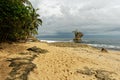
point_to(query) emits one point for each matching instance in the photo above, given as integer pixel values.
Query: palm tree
(31, 24)
(18, 20)
(26, 1)
(35, 22)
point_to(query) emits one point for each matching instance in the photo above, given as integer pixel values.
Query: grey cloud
(89, 16)
(115, 29)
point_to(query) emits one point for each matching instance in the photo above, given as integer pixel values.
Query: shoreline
(51, 41)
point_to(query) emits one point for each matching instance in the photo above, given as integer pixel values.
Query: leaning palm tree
(35, 22)
(32, 23)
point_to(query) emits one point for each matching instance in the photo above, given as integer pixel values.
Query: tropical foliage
(18, 20)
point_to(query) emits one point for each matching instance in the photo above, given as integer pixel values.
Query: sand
(66, 62)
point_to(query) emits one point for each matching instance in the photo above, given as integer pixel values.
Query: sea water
(109, 43)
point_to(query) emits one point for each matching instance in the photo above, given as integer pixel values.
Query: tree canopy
(18, 20)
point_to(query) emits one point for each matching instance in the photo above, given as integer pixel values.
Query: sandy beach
(63, 61)
(59, 40)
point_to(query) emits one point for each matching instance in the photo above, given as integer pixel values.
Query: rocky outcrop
(23, 65)
(104, 50)
(78, 36)
(99, 74)
(37, 50)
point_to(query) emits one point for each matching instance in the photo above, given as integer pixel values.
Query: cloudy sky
(93, 17)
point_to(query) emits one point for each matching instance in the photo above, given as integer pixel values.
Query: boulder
(77, 40)
(104, 50)
(37, 50)
(78, 36)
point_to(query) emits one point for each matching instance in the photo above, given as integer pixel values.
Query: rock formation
(23, 65)
(78, 36)
(104, 50)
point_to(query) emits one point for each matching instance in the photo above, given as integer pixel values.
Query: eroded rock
(23, 65)
(37, 50)
(104, 50)
(99, 74)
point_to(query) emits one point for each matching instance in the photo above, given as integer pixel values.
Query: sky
(92, 17)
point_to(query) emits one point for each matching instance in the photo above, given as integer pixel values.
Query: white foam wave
(51, 41)
(48, 41)
(105, 46)
(95, 45)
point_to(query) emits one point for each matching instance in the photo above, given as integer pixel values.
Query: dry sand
(64, 62)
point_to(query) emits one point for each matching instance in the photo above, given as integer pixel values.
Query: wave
(52, 41)
(48, 41)
(105, 46)
(91, 43)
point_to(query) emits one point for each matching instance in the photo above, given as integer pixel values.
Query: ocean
(108, 43)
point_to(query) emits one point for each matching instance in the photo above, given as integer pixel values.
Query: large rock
(104, 50)
(37, 50)
(77, 40)
(78, 36)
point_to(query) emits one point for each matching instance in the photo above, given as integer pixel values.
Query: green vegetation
(18, 20)
(78, 36)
